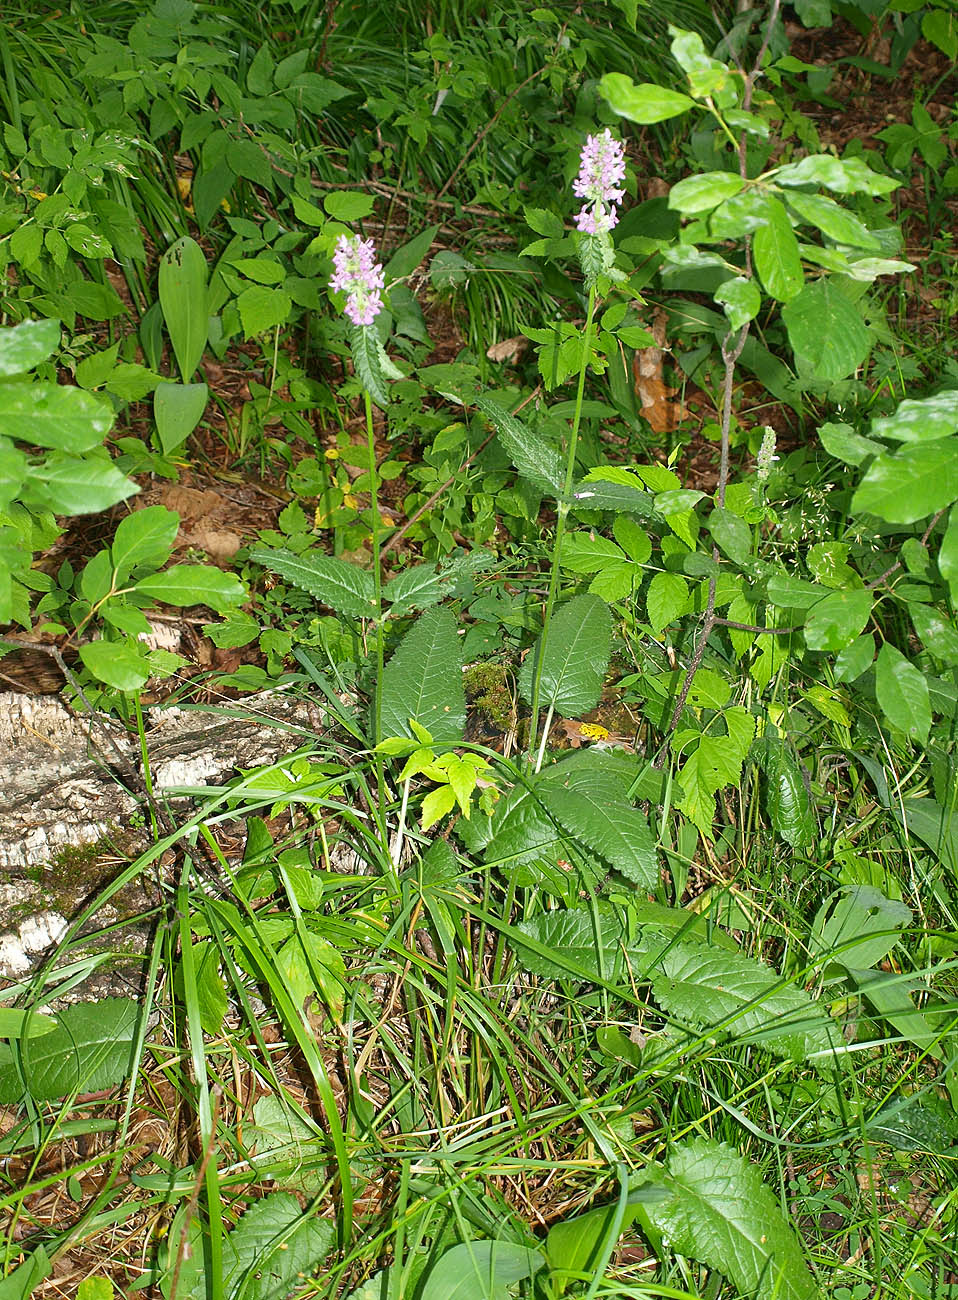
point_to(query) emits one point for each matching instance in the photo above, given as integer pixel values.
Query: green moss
(487, 688)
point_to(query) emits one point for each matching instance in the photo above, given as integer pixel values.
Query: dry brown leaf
(654, 394)
(507, 349)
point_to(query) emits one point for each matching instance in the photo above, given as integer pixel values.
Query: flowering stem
(563, 512)
(377, 569)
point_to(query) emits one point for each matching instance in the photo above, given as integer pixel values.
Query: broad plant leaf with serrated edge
(533, 458)
(368, 359)
(272, 1247)
(588, 803)
(704, 987)
(720, 1212)
(423, 680)
(415, 588)
(577, 651)
(343, 587)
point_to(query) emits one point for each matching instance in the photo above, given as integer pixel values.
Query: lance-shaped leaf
(533, 458)
(423, 680)
(705, 987)
(343, 587)
(578, 646)
(183, 301)
(368, 358)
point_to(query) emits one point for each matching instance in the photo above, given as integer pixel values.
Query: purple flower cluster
(601, 168)
(360, 276)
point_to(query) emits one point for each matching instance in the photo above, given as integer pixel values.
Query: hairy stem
(562, 514)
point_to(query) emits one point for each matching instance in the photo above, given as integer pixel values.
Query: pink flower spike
(357, 274)
(601, 169)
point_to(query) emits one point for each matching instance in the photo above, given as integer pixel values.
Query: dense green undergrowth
(603, 942)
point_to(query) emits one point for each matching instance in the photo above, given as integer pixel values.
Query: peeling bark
(62, 784)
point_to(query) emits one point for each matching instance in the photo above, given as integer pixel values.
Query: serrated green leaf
(720, 1212)
(715, 763)
(272, 1247)
(588, 552)
(703, 987)
(263, 308)
(578, 646)
(532, 457)
(587, 801)
(415, 588)
(910, 484)
(423, 680)
(575, 943)
(615, 582)
(367, 352)
(666, 599)
(343, 587)
(597, 494)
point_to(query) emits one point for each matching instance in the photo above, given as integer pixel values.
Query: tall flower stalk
(357, 274)
(601, 171)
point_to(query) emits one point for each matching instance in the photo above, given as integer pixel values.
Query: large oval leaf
(902, 692)
(826, 331)
(777, 257)
(913, 483)
(117, 663)
(480, 1270)
(195, 584)
(53, 415)
(646, 103)
(144, 537)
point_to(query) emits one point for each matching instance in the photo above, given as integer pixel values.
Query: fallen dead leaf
(662, 413)
(507, 349)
